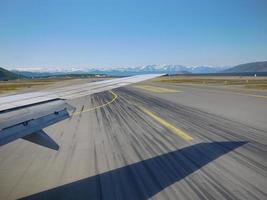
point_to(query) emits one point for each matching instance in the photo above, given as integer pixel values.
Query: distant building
(100, 75)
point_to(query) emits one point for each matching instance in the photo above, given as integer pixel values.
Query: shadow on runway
(143, 179)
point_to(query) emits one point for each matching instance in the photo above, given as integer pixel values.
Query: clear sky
(131, 33)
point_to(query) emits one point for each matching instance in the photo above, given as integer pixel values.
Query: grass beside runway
(156, 89)
(41, 83)
(258, 83)
(8, 86)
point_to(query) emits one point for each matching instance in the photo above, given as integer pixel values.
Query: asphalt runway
(146, 142)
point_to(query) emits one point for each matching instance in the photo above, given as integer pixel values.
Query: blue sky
(55, 33)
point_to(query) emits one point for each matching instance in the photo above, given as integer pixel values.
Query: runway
(142, 142)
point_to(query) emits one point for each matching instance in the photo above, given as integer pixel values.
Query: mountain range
(248, 67)
(7, 75)
(152, 69)
(127, 71)
(123, 71)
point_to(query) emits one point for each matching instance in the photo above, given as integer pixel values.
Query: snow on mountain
(168, 69)
(123, 71)
(47, 69)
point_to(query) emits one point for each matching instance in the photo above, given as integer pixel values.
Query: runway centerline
(169, 126)
(115, 96)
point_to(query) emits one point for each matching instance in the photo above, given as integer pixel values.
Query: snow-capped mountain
(119, 71)
(47, 71)
(147, 69)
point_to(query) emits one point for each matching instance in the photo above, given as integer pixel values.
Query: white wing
(25, 115)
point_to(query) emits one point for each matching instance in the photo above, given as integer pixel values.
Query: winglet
(41, 138)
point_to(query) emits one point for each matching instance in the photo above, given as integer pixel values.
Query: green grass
(246, 82)
(7, 86)
(257, 86)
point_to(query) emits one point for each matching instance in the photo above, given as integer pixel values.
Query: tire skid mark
(195, 120)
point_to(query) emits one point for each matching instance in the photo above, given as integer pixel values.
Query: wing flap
(41, 138)
(27, 113)
(34, 123)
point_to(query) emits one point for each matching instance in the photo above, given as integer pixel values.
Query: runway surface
(149, 141)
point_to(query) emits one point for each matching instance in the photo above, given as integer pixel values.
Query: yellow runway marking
(156, 89)
(115, 96)
(169, 126)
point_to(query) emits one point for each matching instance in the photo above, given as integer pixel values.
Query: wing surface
(25, 115)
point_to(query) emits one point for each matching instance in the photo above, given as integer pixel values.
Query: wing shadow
(143, 179)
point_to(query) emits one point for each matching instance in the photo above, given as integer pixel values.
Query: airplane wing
(25, 115)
